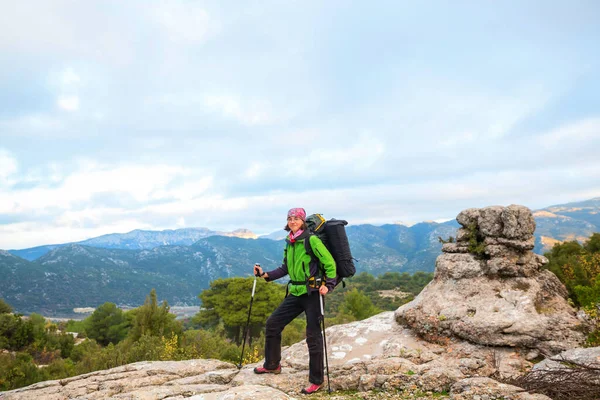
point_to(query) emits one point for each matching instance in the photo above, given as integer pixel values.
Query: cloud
(184, 21)
(225, 114)
(69, 77)
(64, 215)
(572, 135)
(250, 112)
(23, 234)
(254, 170)
(69, 29)
(142, 183)
(8, 167)
(68, 103)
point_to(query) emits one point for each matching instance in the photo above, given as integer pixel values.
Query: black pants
(290, 308)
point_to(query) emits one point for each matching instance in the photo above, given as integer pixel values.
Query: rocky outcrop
(373, 354)
(489, 288)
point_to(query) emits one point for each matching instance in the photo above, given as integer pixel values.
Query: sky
(117, 116)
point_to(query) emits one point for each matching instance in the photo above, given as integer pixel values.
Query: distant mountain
(33, 253)
(138, 240)
(75, 275)
(80, 276)
(122, 268)
(142, 239)
(379, 249)
(240, 233)
(571, 221)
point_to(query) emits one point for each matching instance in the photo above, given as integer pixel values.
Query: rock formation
(489, 288)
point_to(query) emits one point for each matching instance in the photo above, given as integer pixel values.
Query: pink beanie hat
(297, 212)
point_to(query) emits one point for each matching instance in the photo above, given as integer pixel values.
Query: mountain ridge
(79, 275)
(137, 239)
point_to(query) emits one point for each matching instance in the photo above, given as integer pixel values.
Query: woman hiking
(307, 283)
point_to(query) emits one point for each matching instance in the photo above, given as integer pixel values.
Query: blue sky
(117, 116)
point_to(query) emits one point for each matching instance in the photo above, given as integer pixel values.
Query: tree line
(33, 349)
(578, 268)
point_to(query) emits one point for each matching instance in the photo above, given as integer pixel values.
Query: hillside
(80, 276)
(83, 276)
(138, 240)
(122, 268)
(571, 221)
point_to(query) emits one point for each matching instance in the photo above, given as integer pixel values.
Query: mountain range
(179, 264)
(138, 240)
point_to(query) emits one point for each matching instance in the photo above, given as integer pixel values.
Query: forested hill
(76, 275)
(565, 222)
(83, 276)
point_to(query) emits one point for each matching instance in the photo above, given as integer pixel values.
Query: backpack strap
(311, 253)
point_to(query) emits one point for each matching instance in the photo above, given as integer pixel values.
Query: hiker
(306, 285)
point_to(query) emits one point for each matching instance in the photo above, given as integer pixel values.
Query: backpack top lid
(315, 223)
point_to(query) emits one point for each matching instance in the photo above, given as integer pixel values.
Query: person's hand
(258, 270)
(323, 290)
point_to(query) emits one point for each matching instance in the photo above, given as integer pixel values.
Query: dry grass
(571, 381)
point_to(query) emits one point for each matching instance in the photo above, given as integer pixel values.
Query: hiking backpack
(333, 235)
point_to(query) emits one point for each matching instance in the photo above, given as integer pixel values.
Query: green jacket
(298, 264)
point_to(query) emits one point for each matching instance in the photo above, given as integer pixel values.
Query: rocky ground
(371, 359)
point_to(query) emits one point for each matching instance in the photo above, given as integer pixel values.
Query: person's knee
(270, 325)
(314, 339)
(273, 327)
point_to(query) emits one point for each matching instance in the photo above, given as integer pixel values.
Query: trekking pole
(247, 322)
(325, 342)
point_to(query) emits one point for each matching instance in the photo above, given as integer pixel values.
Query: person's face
(294, 223)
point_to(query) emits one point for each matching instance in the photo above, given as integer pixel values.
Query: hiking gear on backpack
(333, 235)
(247, 322)
(262, 370)
(311, 389)
(325, 342)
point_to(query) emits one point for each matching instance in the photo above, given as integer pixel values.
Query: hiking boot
(311, 389)
(262, 370)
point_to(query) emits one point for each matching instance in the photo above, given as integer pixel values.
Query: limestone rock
(468, 217)
(499, 297)
(462, 235)
(376, 354)
(583, 357)
(526, 244)
(490, 221)
(142, 380)
(457, 266)
(455, 248)
(248, 392)
(518, 222)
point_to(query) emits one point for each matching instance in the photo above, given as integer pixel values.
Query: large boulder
(490, 289)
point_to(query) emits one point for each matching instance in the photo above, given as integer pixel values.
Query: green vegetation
(476, 244)
(226, 302)
(578, 267)
(111, 337)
